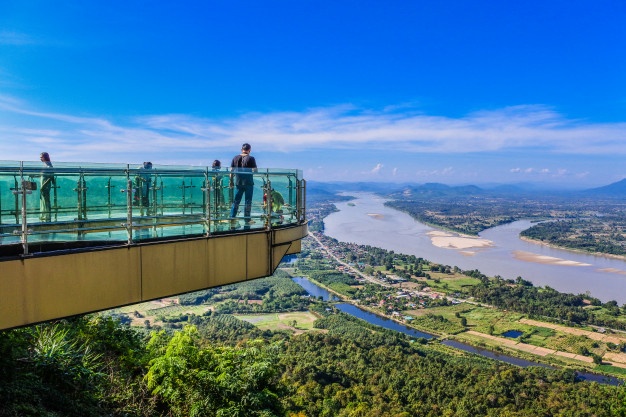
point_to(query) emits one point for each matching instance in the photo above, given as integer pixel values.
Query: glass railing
(73, 204)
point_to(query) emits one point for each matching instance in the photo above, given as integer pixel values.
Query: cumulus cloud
(377, 168)
(554, 173)
(525, 128)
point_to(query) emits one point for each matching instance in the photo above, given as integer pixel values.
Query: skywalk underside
(79, 280)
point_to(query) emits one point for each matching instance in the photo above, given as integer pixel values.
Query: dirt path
(525, 347)
(602, 337)
(615, 359)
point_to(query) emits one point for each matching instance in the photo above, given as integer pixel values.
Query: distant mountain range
(325, 189)
(615, 190)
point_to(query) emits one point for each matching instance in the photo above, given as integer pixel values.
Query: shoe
(250, 222)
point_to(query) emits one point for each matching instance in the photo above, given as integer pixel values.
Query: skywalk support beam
(41, 288)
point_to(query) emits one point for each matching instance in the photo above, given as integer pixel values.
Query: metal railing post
(109, 200)
(267, 190)
(290, 188)
(81, 190)
(301, 201)
(22, 190)
(208, 187)
(129, 206)
(154, 188)
(16, 211)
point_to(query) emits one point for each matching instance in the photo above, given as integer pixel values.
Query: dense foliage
(73, 368)
(601, 235)
(100, 367)
(329, 375)
(195, 378)
(469, 216)
(547, 303)
(267, 295)
(278, 285)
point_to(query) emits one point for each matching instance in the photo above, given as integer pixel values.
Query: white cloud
(552, 173)
(525, 128)
(446, 171)
(377, 168)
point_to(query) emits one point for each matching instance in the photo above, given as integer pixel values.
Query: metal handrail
(100, 203)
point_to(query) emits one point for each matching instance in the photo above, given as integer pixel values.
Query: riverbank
(584, 252)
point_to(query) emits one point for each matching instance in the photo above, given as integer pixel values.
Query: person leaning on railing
(47, 182)
(277, 204)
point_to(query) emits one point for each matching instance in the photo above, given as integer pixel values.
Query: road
(368, 278)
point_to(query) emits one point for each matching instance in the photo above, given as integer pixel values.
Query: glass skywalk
(105, 204)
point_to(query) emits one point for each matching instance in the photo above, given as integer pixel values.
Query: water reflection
(315, 290)
(513, 334)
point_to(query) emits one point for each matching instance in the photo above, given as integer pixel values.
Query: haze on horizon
(452, 92)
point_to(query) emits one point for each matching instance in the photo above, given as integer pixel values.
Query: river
(315, 290)
(367, 221)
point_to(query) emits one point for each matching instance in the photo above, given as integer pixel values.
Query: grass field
(303, 321)
(451, 282)
(492, 321)
(167, 307)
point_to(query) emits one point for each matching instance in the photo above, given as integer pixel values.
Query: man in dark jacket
(242, 166)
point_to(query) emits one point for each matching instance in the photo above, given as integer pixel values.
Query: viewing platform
(77, 238)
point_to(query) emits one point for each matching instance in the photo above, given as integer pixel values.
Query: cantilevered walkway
(79, 238)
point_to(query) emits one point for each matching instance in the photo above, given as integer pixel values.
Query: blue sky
(403, 91)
